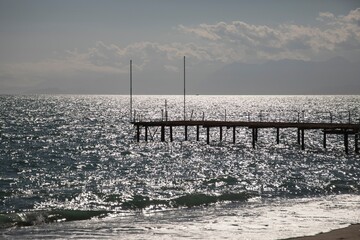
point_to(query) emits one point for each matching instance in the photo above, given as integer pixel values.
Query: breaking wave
(138, 202)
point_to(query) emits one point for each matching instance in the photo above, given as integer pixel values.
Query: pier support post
(302, 139)
(277, 136)
(256, 134)
(163, 133)
(357, 136)
(146, 133)
(197, 132)
(137, 133)
(234, 135)
(346, 142)
(186, 133)
(221, 134)
(253, 137)
(207, 135)
(171, 134)
(324, 142)
(298, 136)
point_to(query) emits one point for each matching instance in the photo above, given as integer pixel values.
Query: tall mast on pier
(184, 93)
(130, 90)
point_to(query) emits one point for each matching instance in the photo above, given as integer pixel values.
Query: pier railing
(261, 116)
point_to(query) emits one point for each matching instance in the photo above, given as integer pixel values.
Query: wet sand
(351, 232)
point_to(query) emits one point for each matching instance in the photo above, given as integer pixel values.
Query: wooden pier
(344, 129)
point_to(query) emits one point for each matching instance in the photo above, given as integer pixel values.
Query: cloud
(113, 58)
(201, 32)
(102, 61)
(286, 41)
(172, 68)
(325, 16)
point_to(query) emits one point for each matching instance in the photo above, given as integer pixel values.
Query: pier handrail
(263, 115)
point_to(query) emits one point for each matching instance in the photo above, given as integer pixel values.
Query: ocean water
(71, 168)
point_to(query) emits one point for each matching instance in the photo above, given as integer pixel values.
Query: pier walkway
(344, 129)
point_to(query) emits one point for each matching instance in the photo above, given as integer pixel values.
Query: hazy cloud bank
(249, 42)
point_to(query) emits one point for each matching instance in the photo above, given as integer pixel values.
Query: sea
(71, 168)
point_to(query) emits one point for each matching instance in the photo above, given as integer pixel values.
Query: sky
(231, 46)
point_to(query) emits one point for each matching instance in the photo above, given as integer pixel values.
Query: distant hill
(335, 76)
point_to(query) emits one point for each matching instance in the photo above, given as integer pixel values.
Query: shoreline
(351, 232)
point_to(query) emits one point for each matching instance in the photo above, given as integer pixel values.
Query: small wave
(189, 200)
(342, 186)
(229, 180)
(40, 217)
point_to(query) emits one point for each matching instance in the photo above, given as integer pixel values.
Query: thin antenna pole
(130, 89)
(184, 93)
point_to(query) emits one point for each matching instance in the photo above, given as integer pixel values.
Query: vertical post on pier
(234, 134)
(298, 136)
(146, 133)
(163, 133)
(253, 137)
(207, 135)
(277, 136)
(131, 90)
(197, 132)
(356, 143)
(186, 132)
(166, 112)
(138, 133)
(184, 93)
(302, 139)
(256, 134)
(171, 134)
(346, 142)
(324, 141)
(303, 115)
(298, 120)
(331, 117)
(221, 133)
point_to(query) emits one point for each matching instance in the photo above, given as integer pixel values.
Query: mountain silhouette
(335, 76)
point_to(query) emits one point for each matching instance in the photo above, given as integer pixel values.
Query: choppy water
(70, 167)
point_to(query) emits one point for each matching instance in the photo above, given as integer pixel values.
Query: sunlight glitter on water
(79, 153)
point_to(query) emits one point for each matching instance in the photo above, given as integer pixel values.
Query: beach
(351, 232)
